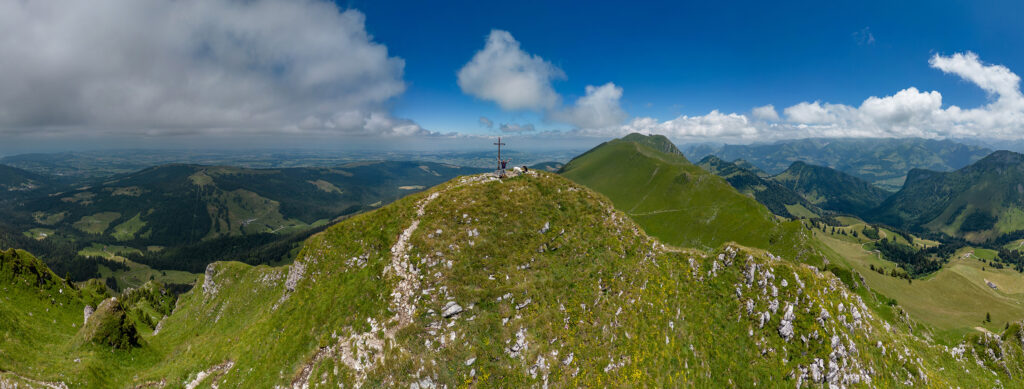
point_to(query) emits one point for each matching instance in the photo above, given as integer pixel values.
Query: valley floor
(954, 300)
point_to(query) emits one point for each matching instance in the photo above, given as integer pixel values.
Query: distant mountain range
(882, 162)
(977, 202)
(86, 165)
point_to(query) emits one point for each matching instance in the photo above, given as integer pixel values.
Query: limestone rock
(786, 326)
(451, 309)
(87, 312)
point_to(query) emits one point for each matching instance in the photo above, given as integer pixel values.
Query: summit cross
(499, 144)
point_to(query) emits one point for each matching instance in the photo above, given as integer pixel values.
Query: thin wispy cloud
(864, 37)
(517, 128)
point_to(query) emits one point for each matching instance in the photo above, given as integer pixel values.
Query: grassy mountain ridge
(978, 202)
(831, 189)
(778, 198)
(658, 142)
(881, 161)
(679, 202)
(528, 281)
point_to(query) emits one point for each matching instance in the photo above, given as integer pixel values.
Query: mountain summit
(657, 142)
(673, 199)
(527, 281)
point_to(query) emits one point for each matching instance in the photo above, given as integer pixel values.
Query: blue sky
(314, 72)
(675, 58)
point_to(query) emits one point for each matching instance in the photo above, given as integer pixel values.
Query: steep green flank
(831, 189)
(978, 202)
(525, 282)
(677, 201)
(45, 338)
(779, 199)
(40, 314)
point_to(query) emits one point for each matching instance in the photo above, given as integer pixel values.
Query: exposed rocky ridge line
(363, 351)
(407, 273)
(214, 373)
(7, 383)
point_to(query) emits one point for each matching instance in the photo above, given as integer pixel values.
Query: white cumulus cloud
(598, 109)
(713, 125)
(505, 74)
(189, 66)
(765, 112)
(997, 80)
(502, 72)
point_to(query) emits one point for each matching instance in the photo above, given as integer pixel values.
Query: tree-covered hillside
(831, 189)
(15, 183)
(779, 199)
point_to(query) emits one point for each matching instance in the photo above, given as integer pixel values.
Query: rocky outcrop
(110, 326)
(451, 309)
(87, 312)
(213, 373)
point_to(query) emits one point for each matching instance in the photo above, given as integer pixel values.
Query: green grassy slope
(46, 339)
(978, 202)
(678, 202)
(831, 189)
(528, 281)
(779, 199)
(954, 300)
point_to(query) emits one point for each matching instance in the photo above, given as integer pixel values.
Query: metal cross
(499, 144)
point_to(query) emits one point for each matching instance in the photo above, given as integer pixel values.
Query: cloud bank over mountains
(298, 67)
(194, 67)
(907, 113)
